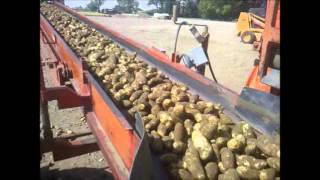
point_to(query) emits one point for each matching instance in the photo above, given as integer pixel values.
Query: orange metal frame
(115, 136)
(270, 37)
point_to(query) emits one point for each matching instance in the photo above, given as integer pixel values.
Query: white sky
(143, 4)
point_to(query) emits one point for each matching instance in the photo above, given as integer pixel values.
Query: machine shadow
(75, 174)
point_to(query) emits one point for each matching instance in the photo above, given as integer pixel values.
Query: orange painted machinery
(265, 75)
(121, 139)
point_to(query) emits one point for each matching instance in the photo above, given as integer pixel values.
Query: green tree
(128, 6)
(95, 5)
(219, 9)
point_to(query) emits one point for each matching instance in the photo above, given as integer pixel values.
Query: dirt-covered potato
(227, 158)
(211, 170)
(168, 158)
(193, 163)
(152, 124)
(230, 174)
(184, 174)
(236, 144)
(156, 109)
(251, 162)
(267, 174)
(156, 143)
(247, 173)
(167, 142)
(216, 151)
(188, 124)
(209, 127)
(274, 163)
(224, 119)
(202, 145)
(166, 103)
(179, 144)
(268, 146)
(221, 142)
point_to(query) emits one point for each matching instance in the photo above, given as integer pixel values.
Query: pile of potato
(193, 137)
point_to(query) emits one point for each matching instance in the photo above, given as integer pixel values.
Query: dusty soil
(232, 60)
(88, 166)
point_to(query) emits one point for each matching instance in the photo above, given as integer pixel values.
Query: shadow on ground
(75, 174)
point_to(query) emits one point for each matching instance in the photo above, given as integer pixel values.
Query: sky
(143, 4)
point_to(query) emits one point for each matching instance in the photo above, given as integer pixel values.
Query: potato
(224, 119)
(135, 95)
(179, 132)
(182, 97)
(166, 103)
(193, 163)
(126, 103)
(156, 109)
(251, 148)
(247, 173)
(274, 163)
(140, 77)
(251, 162)
(230, 174)
(211, 170)
(202, 145)
(179, 144)
(168, 158)
(193, 98)
(235, 145)
(152, 124)
(223, 131)
(163, 96)
(164, 116)
(237, 129)
(154, 81)
(191, 109)
(221, 142)
(188, 124)
(179, 147)
(248, 131)
(267, 174)
(184, 174)
(146, 88)
(227, 158)
(209, 127)
(162, 129)
(167, 142)
(156, 144)
(268, 146)
(196, 127)
(216, 153)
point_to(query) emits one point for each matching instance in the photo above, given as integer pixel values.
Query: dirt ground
(232, 60)
(91, 166)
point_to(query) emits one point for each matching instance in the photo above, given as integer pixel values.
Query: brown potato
(202, 145)
(247, 173)
(230, 174)
(251, 162)
(268, 146)
(227, 158)
(211, 170)
(193, 163)
(267, 174)
(274, 163)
